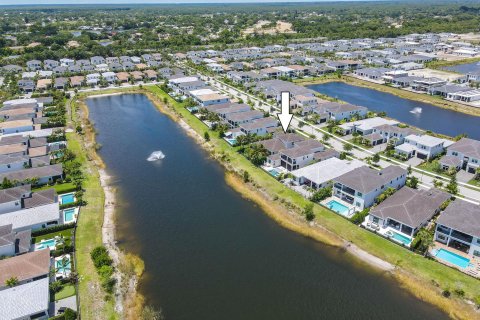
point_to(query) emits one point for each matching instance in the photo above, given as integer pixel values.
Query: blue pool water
(68, 198)
(231, 141)
(274, 173)
(63, 269)
(403, 239)
(337, 207)
(68, 215)
(452, 258)
(50, 243)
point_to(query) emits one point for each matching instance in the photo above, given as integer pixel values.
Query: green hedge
(56, 228)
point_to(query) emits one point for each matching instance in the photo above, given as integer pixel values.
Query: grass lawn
(474, 182)
(89, 236)
(428, 270)
(59, 188)
(67, 234)
(68, 290)
(430, 167)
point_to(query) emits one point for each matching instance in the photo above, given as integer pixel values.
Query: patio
(386, 232)
(351, 208)
(473, 269)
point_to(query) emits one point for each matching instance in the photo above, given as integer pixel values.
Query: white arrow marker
(285, 117)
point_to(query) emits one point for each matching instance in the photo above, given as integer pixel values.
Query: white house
(110, 77)
(363, 185)
(422, 146)
(93, 79)
(467, 153)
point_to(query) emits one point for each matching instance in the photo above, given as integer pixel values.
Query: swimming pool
(50, 243)
(452, 258)
(232, 142)
(274, 173)
(67, 198)
(337, 207)
(69, 215)
(61, 268)
(401, 238)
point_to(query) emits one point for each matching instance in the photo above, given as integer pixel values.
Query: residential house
(463, 154)
(14, 243)
(34, 65)
(302, 154)
(40, 175)
(321, 174)
(406, 212)
(238, 118)
(93, 79)
(339, 111)
(458, 227)
(16, 126)
(97, 60)
(30, 298)
(259, 127)
(363, 185)
(77, 81)
(422, 146)
(50, 64)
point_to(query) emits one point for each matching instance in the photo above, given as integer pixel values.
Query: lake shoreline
(294, 222)
(128, 301)
(419, 97)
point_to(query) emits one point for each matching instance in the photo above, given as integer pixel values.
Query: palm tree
(61, 241)
(64, 263)
(11, 282)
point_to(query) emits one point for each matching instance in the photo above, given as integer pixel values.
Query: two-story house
(463, 154)
(363, 185)
(459, 227)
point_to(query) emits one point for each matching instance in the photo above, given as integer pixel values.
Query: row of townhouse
(25, 161)
(49, 64)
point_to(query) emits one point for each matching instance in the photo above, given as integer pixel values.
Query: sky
(38, 2)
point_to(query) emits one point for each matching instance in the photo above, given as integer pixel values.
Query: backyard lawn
(67, 290)
(67, 234)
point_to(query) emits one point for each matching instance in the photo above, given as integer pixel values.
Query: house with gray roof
(458, 227)
(363, 185)
(463, 154)
(302, 154)
(343, 111)
(42, 175)
(14, 243)
(407, 211)
(30, 298)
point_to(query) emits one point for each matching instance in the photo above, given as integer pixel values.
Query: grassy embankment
(95, 303)
(426, 98)
(423, 277)
(444, 63)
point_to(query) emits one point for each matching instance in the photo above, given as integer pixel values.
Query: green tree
(347, 147)
(206, 136)
(452, 185)
(376, 158)
(412, 182)
(308, 212)
(321, 194)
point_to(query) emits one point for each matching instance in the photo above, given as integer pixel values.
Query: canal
(435, 119)
(209, 253)
(464, 68)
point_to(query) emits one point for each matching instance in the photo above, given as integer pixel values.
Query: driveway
(414, 161)
(70, 302)
(464, 176)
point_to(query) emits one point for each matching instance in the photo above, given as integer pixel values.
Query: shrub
(308, 212)
(100, 257)
(360, 216)
(446, 293)
(42, 232)
(321, 194)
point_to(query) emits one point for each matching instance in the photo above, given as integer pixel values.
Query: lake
(464, 68)
(209, 253)
(436, 119)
